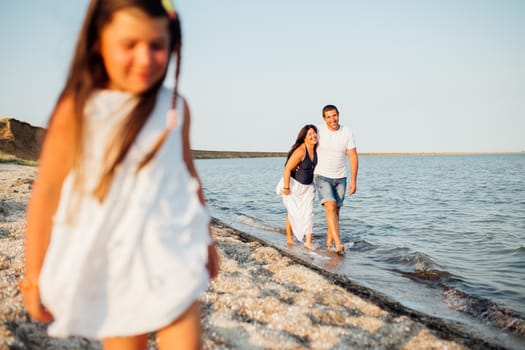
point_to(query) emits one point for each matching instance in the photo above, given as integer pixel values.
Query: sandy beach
(264, 298)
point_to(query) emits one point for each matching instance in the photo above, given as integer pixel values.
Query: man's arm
(354, 167)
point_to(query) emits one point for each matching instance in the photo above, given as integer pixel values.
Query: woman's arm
(294, 160)
(55, 162)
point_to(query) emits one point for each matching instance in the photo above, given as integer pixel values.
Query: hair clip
(170, 8)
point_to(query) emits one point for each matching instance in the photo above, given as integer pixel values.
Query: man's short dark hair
(330, 108)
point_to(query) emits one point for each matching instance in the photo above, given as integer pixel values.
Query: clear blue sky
(407, 75)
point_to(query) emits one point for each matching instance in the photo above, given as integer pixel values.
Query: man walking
(335, 143)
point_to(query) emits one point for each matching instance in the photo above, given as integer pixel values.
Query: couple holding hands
(317, 162)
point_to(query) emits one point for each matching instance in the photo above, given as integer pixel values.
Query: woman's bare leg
(308, 243)
(289, 233)
(184, 332)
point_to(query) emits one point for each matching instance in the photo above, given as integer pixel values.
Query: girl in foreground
(297, 186)
(118, 242)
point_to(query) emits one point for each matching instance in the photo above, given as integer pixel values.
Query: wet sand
(264, 298)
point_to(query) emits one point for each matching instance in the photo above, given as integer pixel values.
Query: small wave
(257, 223)
(485, 310)
(349, 245)
(519, 250)
(421, 268)
(363, 245)
(415, 261)
(415, 265)
(428, 275)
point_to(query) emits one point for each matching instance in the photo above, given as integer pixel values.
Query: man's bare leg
(332, 223)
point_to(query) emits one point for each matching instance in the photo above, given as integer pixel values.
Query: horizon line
(204, 153)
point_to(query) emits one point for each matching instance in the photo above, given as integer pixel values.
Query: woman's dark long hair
(87, 73)
(300, 139)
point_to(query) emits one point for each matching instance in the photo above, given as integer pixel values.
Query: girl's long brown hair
(87, 73)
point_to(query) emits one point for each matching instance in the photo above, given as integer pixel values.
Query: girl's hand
(34, 306)
(286, 191)
(213, 260)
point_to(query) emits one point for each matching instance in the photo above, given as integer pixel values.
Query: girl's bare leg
(138, 342)
(184, 332)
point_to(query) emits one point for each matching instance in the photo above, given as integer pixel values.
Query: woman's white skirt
(300, 206)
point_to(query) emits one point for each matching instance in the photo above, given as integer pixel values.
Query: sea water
(444, 235)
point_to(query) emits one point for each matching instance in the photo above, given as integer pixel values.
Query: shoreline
(264, 297)
(206, 154)
(450, 330)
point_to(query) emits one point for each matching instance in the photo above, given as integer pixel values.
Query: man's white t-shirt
(332, 150)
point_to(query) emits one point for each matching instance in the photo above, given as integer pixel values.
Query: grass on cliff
(9, 158)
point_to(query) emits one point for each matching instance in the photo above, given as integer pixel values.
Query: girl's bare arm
(55, 162)
(213, 257)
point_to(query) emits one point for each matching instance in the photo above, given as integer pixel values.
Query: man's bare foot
(290, 243)
(329, 239)
(340, 250)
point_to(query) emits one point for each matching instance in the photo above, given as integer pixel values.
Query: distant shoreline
(203, 154)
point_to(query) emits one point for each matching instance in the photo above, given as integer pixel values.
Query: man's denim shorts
(330, 190)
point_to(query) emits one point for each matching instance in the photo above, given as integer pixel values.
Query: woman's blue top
(304, 173)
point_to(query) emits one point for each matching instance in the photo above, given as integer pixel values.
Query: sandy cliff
(20, 140)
